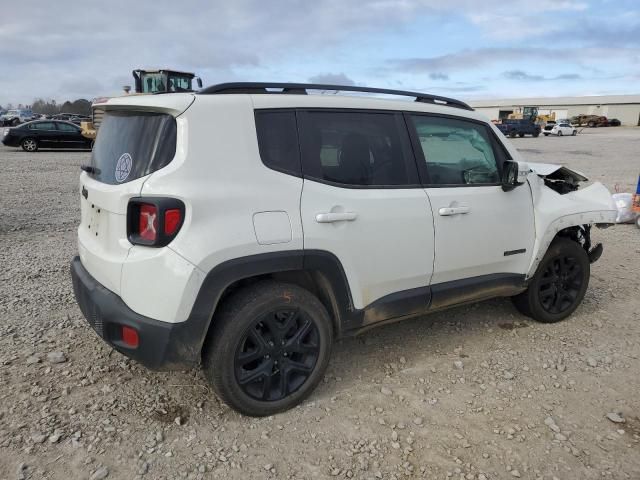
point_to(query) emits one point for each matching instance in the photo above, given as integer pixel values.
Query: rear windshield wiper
(90, 169)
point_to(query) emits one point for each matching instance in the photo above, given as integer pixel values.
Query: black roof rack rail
(302, 88)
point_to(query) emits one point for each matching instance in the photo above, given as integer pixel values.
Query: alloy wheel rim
(277, 354)
(560, 284)
(30, 145)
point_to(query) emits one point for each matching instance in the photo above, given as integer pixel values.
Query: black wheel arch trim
(348, 319)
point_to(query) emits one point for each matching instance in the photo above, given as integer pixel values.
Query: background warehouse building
(625, 108)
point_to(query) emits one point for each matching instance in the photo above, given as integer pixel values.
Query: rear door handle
(336, 217)
(447, 211)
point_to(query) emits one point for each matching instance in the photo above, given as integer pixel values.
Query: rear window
(131, 145)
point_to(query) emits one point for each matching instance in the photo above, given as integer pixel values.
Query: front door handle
(447, 211)
(336, 217)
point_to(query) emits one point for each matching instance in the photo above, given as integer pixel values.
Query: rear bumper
(162, 345)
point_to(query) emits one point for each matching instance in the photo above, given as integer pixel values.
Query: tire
(638, 221)
(559, 133)
(550, 297)
(512, 134)
(591, 124)
(521, 135)
(29, 144)
(256, 323)
(546, 134)
(574, 133)
(536, 134)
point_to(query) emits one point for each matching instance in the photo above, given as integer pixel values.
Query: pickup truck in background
(520, 127)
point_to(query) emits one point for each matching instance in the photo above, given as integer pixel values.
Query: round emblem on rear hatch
(123, 167)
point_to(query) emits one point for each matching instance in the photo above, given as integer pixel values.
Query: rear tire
(29, 145)
(268, 348)
(559, 285)
(521, 135)
(536, 134)
(574, 133)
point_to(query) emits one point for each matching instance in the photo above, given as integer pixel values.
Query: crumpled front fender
(554, 212)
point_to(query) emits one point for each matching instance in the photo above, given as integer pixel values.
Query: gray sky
(67, 49)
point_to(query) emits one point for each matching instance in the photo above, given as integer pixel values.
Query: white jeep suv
(248, 225)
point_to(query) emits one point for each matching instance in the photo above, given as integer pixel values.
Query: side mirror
(199, 82)
(511, 175)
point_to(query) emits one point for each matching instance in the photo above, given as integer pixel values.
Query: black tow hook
(595, 253)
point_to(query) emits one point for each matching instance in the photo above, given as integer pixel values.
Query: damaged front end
(563, 209)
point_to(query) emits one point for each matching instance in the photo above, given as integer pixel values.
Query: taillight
(148, 222)
(153, 221)
(172, 220)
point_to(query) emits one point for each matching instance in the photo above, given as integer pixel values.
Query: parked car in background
(16, 117)
(589, 121)
(519, 126)
(79, 118)
(614, 122)
(46, 134)
(559, 129)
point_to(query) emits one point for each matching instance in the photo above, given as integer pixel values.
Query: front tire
(268, 348)
(559, 285)
(559, 133)
(29, 145)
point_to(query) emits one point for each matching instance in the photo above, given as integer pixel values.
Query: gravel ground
(477, 392)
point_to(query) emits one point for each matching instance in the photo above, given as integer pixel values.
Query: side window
(356, 149)
(278, 140)
(65, 127)
(456, 152)
(43, 126)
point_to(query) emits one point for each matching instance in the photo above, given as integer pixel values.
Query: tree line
(51, 107)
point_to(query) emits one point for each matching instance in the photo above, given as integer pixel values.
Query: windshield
(153, 82)
(131, 145)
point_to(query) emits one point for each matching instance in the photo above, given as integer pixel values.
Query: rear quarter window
(131, 145)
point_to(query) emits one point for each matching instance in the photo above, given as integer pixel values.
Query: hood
(556, 172)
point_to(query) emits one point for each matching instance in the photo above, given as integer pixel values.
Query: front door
(69, 136)
(483, 235)
(362, 201)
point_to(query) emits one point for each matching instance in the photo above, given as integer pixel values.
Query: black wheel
(591, 124)
(29, 145)
(268, 348)
(559, 284)
(574, 133)
(521, 134)
(559, 133)
(512, 134)
(546, 134)
(536, 134)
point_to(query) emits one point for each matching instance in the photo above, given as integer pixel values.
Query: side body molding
(326, 272)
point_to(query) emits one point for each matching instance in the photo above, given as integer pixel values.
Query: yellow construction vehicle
(531, 113)
(146, 82)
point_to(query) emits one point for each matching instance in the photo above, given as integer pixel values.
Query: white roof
(586, 100)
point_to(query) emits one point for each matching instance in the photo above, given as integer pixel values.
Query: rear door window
(357, 149)
(131, 145)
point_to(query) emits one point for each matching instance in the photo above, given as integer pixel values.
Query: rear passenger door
(483, 235)
(46, 134)
(362, 201)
